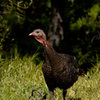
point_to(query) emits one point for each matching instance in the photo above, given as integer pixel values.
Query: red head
(39, 35)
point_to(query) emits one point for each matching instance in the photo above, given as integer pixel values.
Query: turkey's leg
(64, 94)
(51, 95)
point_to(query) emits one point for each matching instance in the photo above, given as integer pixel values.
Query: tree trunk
(57, 24)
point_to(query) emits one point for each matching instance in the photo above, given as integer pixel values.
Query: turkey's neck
(50, 54)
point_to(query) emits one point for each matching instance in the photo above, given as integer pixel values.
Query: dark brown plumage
(60, 70)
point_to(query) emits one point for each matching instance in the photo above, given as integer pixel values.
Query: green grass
(18, 76)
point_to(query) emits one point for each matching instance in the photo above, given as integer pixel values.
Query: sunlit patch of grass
(20, 75)
(88, 87)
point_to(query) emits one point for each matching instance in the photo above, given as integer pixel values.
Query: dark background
(78, 25)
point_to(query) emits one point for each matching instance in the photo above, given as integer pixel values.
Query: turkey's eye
(37, 32)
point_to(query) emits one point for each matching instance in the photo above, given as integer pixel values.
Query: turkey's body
(60, 70)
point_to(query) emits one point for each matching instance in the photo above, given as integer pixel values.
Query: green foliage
(18, 19)
(81, 21)
(8, 20)
(91, 20)
(21, 4)
(84, 30)
(19, 76)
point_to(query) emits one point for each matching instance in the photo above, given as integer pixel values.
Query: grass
(88, 87)
(18, 76)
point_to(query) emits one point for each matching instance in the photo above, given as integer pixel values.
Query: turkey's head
(39, 35)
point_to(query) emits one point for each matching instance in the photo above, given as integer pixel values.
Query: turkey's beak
(32, 34)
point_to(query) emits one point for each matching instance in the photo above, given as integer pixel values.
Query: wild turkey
(60, 70)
